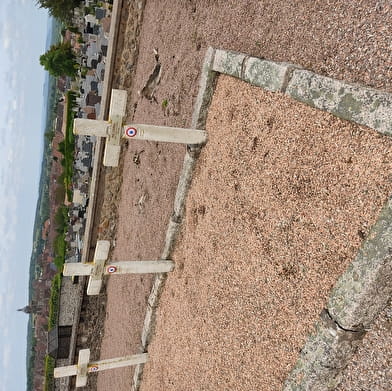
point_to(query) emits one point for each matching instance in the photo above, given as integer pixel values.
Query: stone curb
(183, 186)
(206, 90)
(354, 303)
(364, 289)
(270, 75)
(324, 355)
(199, 117)
(365, 106)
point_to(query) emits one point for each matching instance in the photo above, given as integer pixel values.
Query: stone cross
(114, 130)
(98, 268)
(84, 366)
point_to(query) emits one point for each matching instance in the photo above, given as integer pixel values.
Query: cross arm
(125, 267)
(78, 269)
(118, 362)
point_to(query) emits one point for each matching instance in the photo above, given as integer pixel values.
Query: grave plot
(274, 216)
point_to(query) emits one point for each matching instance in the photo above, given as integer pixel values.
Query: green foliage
(84, 71)
(61, 218)
(49, 373)
(54, 301)
(67, 148)
(88, 10)
(165, 102)
(60, 60)
(69, 144)
(49, 136)
(60, 9)
(73, 29)
(60, 245)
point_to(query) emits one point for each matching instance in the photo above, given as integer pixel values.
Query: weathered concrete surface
(206, 90)
(324, 355)
(270, 75)
(183, 186)
(364, 289)
(359, 104)
(229, 63)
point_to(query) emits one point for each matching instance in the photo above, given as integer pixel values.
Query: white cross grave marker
(98, 268)
(114, 129)
(84, 366)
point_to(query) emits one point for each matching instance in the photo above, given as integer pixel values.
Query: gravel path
(344, 40)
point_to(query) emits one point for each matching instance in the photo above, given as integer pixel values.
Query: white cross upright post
(98, 268)
(84, 366)
(114, 130)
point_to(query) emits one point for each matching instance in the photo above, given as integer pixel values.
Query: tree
(60, 60)
(60, 9)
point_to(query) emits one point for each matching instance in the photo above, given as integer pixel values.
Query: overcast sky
(23, 30)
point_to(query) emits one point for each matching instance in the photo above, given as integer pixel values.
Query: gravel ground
(282, 197)
(344, 40)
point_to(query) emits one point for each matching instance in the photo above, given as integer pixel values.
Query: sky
(23, 29)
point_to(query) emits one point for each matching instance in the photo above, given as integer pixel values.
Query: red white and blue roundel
(93, 368)
(131, 132)
(111, 269)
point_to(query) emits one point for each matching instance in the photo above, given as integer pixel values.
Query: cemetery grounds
(226, 320)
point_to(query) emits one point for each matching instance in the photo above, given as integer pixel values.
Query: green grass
(49, 369)
(67, 146)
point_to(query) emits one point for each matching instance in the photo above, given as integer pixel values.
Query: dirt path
(335, 38)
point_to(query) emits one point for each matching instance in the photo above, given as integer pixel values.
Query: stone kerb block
(206, 90)
(362, 105)
(364, 289)
(325, 354)
(270, 75)
(183, 186)
(228, 62)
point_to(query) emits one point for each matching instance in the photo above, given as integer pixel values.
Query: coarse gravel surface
(281, 200)
(344, 40)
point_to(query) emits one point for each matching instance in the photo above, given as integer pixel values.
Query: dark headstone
(100, 13)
